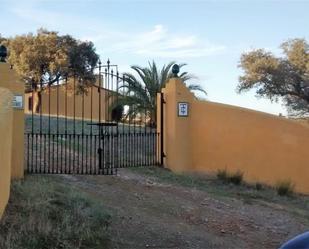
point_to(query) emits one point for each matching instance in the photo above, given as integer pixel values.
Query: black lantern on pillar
(175, 70)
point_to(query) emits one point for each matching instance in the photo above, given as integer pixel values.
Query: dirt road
(149, 213)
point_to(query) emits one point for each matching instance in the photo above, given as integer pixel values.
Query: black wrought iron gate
(74, 127)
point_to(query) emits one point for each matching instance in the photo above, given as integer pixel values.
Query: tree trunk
(37, 99)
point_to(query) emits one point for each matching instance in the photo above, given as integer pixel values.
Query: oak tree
(274, 77)
(45, 58)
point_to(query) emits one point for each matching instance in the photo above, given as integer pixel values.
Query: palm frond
(196, 87)
(165, 73)
(139, 92)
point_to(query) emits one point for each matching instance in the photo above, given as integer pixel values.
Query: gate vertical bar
(100, 129)
(57, 136)
(40, 101)
(49, 136)
(66, 124)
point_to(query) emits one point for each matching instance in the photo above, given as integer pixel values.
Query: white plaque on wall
(18, 102)
(183, 109)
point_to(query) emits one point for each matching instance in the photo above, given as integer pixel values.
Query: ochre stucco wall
(6, 118)
(10, 80)
(265, 147)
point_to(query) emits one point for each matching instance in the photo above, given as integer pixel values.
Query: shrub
(236, 178)
(285, 187)
(222, 174)
(258, 186)
(117, 113)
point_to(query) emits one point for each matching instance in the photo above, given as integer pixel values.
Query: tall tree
(285, 77)
(46, 58)
(140, 92)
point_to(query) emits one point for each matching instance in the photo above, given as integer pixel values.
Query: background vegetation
(274, 77)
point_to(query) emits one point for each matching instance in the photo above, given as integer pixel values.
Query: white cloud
(157, 42)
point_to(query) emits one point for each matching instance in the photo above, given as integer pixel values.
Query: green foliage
(141, 92)
(285, 188)
(274, 77)
(45, 213)
(46, 57)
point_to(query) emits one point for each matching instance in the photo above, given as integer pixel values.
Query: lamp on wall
(3, 53)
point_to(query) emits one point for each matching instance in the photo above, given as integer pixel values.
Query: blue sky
(208, 35)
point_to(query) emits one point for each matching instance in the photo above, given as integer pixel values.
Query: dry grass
(43, 213)
(233, 177)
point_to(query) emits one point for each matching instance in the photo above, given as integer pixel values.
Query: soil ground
(153, 208)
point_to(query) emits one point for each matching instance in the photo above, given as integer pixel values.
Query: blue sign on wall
(183, 109)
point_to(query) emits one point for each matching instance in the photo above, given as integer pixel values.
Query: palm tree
(140, 93)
